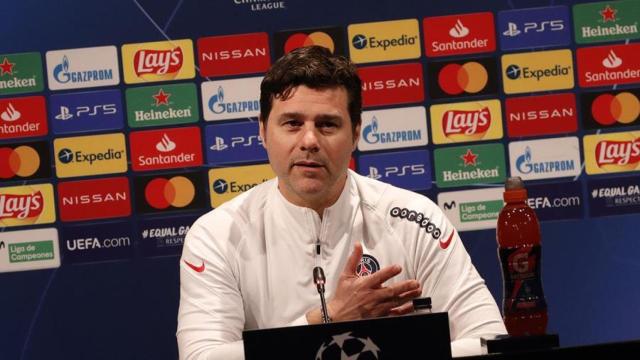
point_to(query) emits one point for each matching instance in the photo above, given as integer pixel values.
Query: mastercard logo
(299, 40)
(162, 193)
(623, 108)
(470, 77)
(22, 161)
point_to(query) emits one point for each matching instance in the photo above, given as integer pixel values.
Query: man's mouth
(306, 163)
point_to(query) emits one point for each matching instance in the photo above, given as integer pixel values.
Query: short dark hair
(317, 68)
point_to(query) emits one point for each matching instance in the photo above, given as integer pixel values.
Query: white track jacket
(248, 264)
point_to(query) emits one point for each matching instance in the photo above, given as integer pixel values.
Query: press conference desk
(608, 351)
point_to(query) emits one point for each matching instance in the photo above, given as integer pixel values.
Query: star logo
(608, 14)
(6, 67)
(469, 158)
(162, 98)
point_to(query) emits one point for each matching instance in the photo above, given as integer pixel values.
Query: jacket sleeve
(448, 276)
(211, 314)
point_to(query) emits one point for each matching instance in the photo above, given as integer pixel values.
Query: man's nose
(309, 141)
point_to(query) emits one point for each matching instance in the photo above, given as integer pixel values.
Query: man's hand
(366, 297)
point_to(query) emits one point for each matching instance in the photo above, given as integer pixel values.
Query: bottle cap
(514, 190)
(422, 303)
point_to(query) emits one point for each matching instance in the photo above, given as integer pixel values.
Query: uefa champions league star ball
(348, 346)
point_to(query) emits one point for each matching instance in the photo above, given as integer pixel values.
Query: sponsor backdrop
(121, 124)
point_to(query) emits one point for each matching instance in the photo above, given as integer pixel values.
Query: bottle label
(522, 281)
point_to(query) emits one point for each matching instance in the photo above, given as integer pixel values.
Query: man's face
(309, 141)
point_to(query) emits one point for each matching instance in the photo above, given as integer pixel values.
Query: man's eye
(292, 123)
(327, 124)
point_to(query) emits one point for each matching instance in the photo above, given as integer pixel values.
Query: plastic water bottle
(518, 234)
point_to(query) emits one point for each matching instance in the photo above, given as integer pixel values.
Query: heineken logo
(467, 165)
(20, 73)
(162, 105)
(598, 22)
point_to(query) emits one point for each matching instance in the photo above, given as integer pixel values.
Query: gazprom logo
(523, 163)
(62, 75)
(61, 71)
(526, 165)
(370, 132)
(218, 106)
(216, 102)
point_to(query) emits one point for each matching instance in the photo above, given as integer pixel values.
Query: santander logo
(21, 206)
(620, 153)
(158, 62)
(468, 123)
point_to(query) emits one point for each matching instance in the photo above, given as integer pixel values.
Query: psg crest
(367, 266)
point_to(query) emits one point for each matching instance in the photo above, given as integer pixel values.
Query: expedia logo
(221, 186)
(227, 183)
(362, 42)
(515, 72)
(383, 41)
(67, 156)
(90, 155)
(537, 71)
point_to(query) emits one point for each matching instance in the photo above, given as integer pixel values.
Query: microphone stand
(319, 279)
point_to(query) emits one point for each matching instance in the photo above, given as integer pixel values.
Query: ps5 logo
(102, 109)
(397, 171)
(236, 141)
(538, 27)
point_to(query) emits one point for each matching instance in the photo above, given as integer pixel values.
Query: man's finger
(379, 277)
(354, 259)
(403, 309)
(405, 286)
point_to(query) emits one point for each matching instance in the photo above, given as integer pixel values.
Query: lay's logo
(158, 61)
(26, 205)
(469, 121)
(625, 154)
(613, 152)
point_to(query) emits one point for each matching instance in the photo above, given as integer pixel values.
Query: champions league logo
(348, 346)
(367, 266)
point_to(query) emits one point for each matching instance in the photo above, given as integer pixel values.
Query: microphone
(319, 280)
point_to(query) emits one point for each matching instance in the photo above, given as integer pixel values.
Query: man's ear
(263, 131)
(356, 137)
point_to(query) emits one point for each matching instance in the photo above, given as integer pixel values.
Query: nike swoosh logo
(445, 244)
(197, 269)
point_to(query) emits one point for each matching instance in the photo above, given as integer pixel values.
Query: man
(248, 263)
